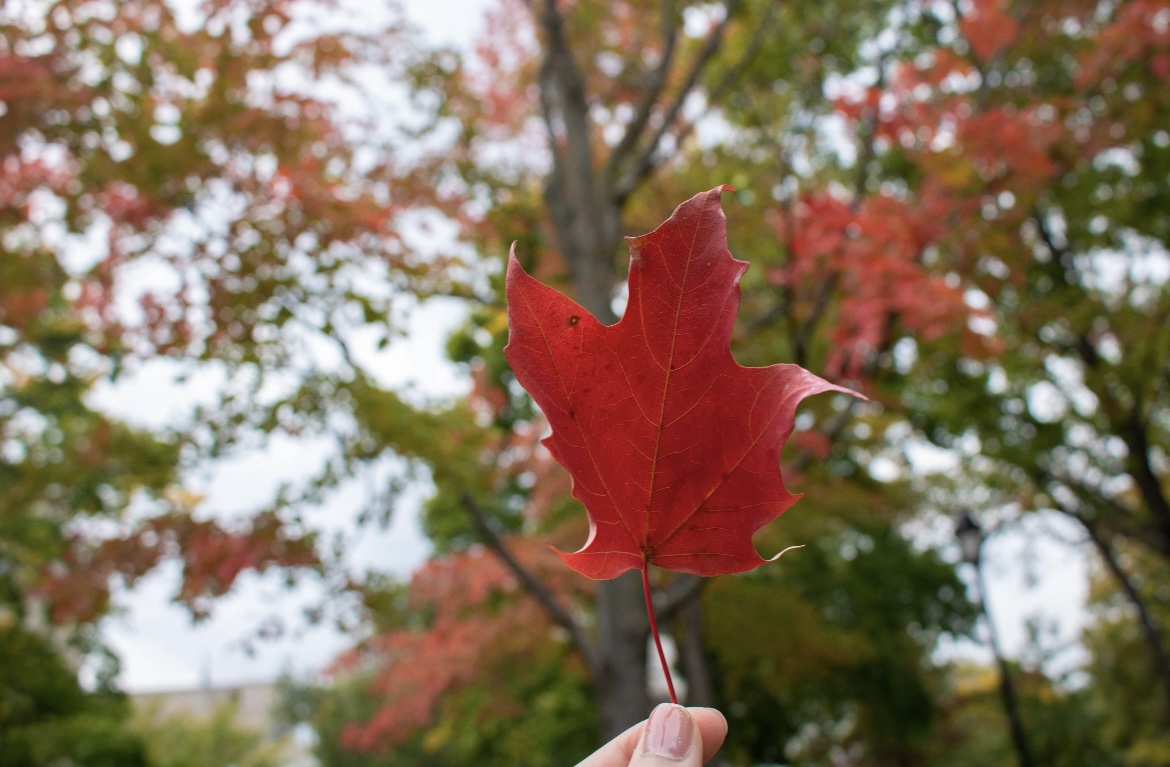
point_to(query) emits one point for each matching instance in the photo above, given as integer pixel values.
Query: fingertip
(712, 729)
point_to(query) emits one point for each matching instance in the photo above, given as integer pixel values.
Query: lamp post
(971, 538)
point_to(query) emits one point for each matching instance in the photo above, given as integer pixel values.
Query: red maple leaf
(674, 448)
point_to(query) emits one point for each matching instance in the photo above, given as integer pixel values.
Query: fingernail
(669, 732)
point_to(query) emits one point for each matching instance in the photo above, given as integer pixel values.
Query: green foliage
(329, 710)
(46, 719)
(1064, 726)
(214, 741)
(832, 645)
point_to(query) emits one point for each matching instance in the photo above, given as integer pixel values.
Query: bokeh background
(269, 493)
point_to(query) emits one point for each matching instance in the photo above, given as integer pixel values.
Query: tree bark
(622, 630)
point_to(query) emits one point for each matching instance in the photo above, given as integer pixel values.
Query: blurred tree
(1037, 130)
(988, 259)
(165, 196)
(1124, 683)
(931, 197)
(617, 94)
(214, 741)
(464, 668)
(827, 655)
(1065, 724)
(46, 718)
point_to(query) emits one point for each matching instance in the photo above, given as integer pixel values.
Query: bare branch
(559, 614)
(654, 88)
(640, 169)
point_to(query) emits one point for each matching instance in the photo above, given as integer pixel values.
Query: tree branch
(1122, 520)
(546, 88)
(1062, 253)
(1151, 631)
(657, 83)
(759, 36)
(1149, 486)
(538, 590)
(560, 74)
(640, 169)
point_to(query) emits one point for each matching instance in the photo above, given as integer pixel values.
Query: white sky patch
(1037, 575)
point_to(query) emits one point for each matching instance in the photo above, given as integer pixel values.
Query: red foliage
(213, 557)
(673, 447)
(1138, 35)
(505, 54)
(463, 640)
(872, 253)
(988, 28)
(76, 587)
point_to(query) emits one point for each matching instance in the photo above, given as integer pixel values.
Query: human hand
(673, 737)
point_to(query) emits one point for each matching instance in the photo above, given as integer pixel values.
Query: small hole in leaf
(574, 320)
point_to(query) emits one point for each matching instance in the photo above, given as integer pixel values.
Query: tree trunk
(588, 228)
(588, 234)
(622, 629)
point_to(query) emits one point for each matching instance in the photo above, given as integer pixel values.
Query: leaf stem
(654, 631)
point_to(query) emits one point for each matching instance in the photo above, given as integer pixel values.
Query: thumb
(671, 738)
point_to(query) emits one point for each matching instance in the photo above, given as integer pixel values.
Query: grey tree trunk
(588, 234)
(622, 628)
